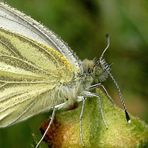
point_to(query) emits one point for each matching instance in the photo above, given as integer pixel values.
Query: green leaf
(65, 132)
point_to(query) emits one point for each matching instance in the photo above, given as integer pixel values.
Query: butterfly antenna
(107, 46)
(99, 59)
(121, 97)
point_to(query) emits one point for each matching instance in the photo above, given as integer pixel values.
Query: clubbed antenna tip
(127, 117)
(107, 35)
(121, 98)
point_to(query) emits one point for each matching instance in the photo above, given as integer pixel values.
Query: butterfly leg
(101, 110)
(89, 94)
(102, 86)
(81, 117)
(51, 120)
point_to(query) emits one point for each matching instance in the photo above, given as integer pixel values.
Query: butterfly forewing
(17, 22)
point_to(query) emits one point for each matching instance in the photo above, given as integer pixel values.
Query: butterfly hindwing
(29, 75)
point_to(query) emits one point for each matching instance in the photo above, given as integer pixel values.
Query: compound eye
(90, 70)
(66, 99)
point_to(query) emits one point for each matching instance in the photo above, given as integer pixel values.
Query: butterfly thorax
(93, 73)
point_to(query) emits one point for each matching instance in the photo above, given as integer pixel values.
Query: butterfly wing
(21, 101)
(29, 74)
(18, 22)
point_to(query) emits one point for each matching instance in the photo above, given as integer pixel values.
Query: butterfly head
(97, 69)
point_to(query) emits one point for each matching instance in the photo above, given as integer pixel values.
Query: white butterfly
(39, 72)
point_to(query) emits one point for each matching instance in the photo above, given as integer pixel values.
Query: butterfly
(39, 72)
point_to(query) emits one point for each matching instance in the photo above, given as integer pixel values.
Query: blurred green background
(83, 25)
